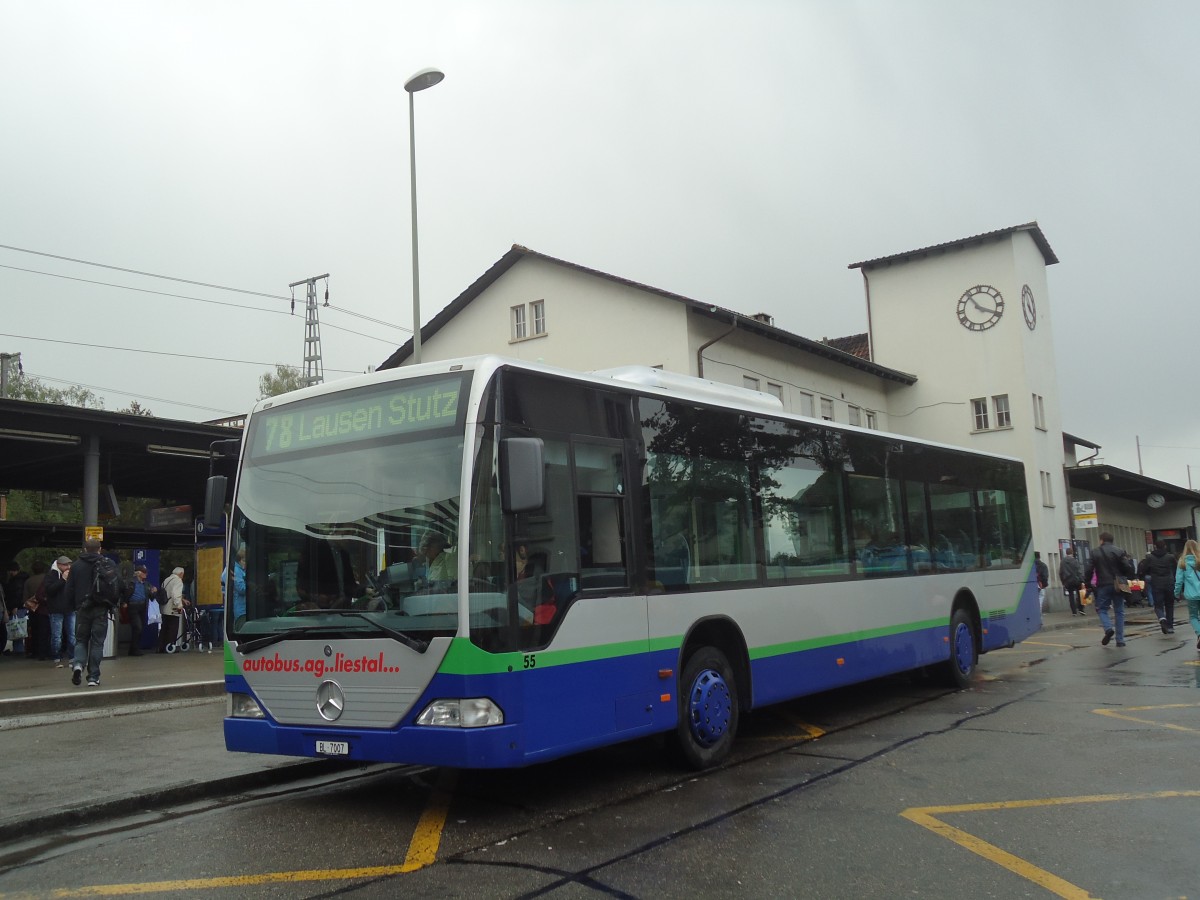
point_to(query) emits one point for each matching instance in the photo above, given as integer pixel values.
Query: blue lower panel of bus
(577, 707)
(563, 709)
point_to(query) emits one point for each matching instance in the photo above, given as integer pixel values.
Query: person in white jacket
(172, 608)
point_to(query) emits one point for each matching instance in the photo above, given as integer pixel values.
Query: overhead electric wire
(219, 287)
(145, 290)
(247, 362)
(94, 387)
(262, 309)
(84, 262)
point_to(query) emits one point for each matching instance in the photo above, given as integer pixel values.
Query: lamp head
(426, 78)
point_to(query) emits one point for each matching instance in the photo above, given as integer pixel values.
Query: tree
(136, 409)
(285, 378)
(26, 387)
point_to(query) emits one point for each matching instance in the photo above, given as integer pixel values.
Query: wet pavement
(151, 734)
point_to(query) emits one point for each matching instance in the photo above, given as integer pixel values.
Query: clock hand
(979, 306)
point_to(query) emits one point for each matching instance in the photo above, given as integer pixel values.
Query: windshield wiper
(268, 639)
(410, 642)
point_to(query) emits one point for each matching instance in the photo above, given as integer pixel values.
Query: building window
(1003, 413)
(854, 415)
(979, 409)
(750, 383)
(806, 404)
(526, 314)
(1039, 412)
(826, 409)
(872, 423)
(775, 390)
(1047, 490)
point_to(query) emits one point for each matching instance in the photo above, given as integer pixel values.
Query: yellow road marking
(926, 817)
(422, 851)
(1114, 714)
(811, 732)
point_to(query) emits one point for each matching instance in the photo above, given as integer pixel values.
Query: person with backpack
(1043, 579)
(1070, 575)
(95, 586)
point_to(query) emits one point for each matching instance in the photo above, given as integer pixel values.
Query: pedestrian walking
(1112, 568)
(1043, 579)
(1159, 569)
(1187, 584)
(95, 586)
(1070, 576)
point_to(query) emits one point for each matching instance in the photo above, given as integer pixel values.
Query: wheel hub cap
(709, 708)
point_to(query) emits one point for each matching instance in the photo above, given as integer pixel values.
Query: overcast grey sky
(738, 153)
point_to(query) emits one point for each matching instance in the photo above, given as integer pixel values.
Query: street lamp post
(426, 78)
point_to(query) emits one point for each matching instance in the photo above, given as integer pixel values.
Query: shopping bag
(18, 629)
(153, 613)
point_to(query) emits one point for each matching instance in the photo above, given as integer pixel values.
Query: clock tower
(971, 320)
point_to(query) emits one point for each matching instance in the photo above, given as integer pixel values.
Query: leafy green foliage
(26, 387)
(284, 379)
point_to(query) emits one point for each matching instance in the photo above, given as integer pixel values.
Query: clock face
(1028, 307)
(1156, 501)
(980, 307)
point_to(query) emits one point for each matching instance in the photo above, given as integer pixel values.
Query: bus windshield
(347, 535)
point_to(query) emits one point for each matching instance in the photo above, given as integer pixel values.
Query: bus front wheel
(708, 709)
(963, 656)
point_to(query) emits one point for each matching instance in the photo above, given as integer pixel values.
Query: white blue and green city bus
(687, 551)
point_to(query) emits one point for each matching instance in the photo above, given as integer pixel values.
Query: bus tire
(963, 654)
(708, 709)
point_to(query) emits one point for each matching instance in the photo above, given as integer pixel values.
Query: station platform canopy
(80, 452)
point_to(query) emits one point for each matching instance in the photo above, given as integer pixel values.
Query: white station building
(958, 349)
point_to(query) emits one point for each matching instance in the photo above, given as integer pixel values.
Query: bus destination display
(393, 409)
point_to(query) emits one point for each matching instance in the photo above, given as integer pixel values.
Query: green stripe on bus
(464, 658)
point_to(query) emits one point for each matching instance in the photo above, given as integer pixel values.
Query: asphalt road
(1064, 772)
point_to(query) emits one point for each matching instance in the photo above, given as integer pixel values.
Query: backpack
(106, 582)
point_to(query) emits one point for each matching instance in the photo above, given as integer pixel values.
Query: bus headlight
(243, 706)
(468, 712)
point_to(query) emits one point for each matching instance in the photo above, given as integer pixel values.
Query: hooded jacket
(59, 597)
(1160, 567)
(1070, 572)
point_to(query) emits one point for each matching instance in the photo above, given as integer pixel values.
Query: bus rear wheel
(963, 655)
(708, 709)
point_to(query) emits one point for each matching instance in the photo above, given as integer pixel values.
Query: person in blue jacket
(1187, 584)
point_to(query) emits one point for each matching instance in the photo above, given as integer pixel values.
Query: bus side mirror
(214, 498)
(522, 475)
